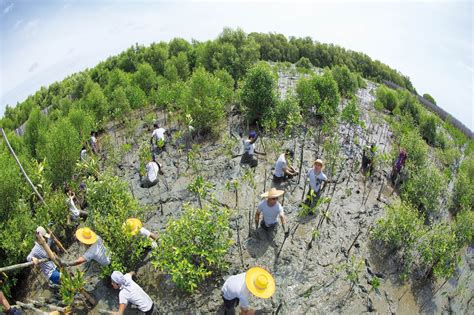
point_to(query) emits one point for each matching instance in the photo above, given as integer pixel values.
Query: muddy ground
(311, 279)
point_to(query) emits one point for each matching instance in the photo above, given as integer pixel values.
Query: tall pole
(21, 167)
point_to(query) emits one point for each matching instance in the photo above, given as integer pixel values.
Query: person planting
(133, 226)
(158, 138)
(237, 289)
(96, 250)
(153, 168)
(270, 210)
(249, 150)
(48, 268)
(283, 170)
(316, 179)
(131, 292)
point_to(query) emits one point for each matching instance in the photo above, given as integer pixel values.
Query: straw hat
(86, 236)
(132, 226)
(319, 161)
(260, 282)
(272, 193)
(42, 231)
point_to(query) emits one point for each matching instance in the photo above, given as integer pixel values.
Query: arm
(77, 262)
(121, 309)
(247, 311)
(257, 218)
(131, 273)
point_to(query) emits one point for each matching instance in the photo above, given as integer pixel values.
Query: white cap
(41, 231)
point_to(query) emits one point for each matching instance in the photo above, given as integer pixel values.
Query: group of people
(130, 292)
(237, 289)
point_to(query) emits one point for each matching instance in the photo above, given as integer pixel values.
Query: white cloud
(8, 8)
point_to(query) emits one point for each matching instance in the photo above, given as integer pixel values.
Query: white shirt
(145, 232)
(280, 165)
(315, 180)
(47, 268)
(152, 171)
(159, 133)
(97, 252)
(72, 207)
(84, 155)
(93, 140)
(249, 147)
(235, 287)
(270, 214)
(134, 294)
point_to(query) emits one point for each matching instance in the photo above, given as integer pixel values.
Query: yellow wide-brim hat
(272, 193)
(260, 282)
(132, 226)
(86, 236)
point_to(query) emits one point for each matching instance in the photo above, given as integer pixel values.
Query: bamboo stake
(22, 265)
(50, 306)
(57, 241)
(31, 307)
(21, 167)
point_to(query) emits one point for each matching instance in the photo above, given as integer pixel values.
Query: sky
(430, 41)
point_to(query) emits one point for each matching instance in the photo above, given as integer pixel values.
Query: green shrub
(400, 230)
(61, 152)
(110, 204)
(430, 98)
(346, 80)
(463, 198)
(145, 77)
(424, 187)
(258, 94)
(193, 247)
(386, 98)
(409, 105)
(35, 130)
(439, 251)
(11, 185)
(428, 129)
(204, 98)
(304, 63)
(319, 93)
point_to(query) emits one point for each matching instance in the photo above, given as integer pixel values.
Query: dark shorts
(147, 184)
(150, 312)
(278, 180)
(269, 227)
(230, 304)
(55, 277)
(249, 159)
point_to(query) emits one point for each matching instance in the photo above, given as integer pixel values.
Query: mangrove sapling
(233, 185)
(71, 284)
(250, 179)
(200, 187)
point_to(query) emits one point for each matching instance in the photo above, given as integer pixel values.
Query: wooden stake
(21, 167)
(22, 265)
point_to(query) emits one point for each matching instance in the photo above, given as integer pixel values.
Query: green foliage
(61, 151)
(286, 115)
(35, 131)
(464, 186)
(351, 112)
(204, 97)
(193, 247)
(424, 187)
(386, 98)
(120, 107)
(258, 94)
(439, 251)
(11, 185)
(200, 187)
(82, 121)
(136, 97)
(109, 205)
(401, 227)
(304, 63)
(409, 105)
(428, 129)
(71, 285)
(319, 94)
(430, 98)
(464, 227)
(346, 80)
(95, 102)
(145, 77)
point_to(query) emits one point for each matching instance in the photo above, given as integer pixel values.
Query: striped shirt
(38, 252)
